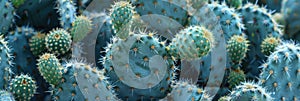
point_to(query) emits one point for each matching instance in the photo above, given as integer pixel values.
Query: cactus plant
(17, 3)
(50, 68)
(291, 17)
(6, 16)
(23, 87)
(6, 96)
(280, 73)
(193, 42)
(237, 48)
(80, 28)
(67, 12)
(6, 63)
(37, 44)
(269, 44)
(58, 41)
(236, 77)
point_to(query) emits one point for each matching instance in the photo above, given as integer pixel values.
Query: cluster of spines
(58, 41)
(193, 42)
(50, 68)
(6, 62)
(269, 44)
(280, 74)
(67, 11)
(23, 87)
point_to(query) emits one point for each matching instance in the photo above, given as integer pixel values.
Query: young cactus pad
(23, 87)
(193, 42)
(58, 41)
(269, 44)
(81, 27)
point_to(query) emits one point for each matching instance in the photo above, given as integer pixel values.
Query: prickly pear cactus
(269, 44)
(50, 68)
(280, 73)
(92, 82)
(67, 12)
(237, 48)
(6, 15)
(58, 41)
(6, 63)
(148, 58)
(193, 42)
(234, 3)
(23, 87)
(184, 91)
(259, 24)
(121, 16)
(6, 96)
(249, 91)
(67, 89)
(80, 28)
(37, 44)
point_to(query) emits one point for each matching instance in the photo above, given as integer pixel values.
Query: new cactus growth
(6, 96)
(237, 48)
(58, 41)
(121, 16)
(280, 73)
(17, 3)
(269, 44)
(6, 62)
(23, 87)
(249, 91)
(80, 28)
(37, 44)
(50, 68)
(67, 12)
(193, 42)
(236, 77)
(6, 15)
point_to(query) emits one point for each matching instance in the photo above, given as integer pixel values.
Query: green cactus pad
(269, 44)
(81, 27)
(58, 41)
(23, 87)
(37, 44)
(237, 48)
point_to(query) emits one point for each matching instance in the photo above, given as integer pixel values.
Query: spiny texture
(92, 82)
(259, 24)
(236, 77)
(184, 91)
(80, 28)
(235, 3)
(6, 62)
(291, 14)
(148, 58)
(6, 15)
(58, 41)
(196, 4)
(37, 44)
(237, 48)
(224, 98)
(39, 14)
(249, 91)
(269, 44)
(68, 89)
(174, 9)
(17, 3)
(23, 87)
(121, 16)
(281, 72)
(50, 68)
(6, 96)
(193, 42)
(67, 12)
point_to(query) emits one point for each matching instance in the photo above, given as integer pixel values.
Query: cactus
(290, 11)
(237, 48)
(196, 4)
(80, 28)
(50, 68)
(184, 91)
(17, 3)
(40, 14)
(23, 87)
(235, 3)
(67, 12)
(141, 52)
(92, 82)
(280, 73)
(193, 42)
(6, 96)
(236, 77)
(224, 98)
(121, 16)
(259, 24)
(58, 41)
(249, 91)
(37, 44)
(6, 16)
(174, 9)
(269, 44)
(67, 89)
(6, 63)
